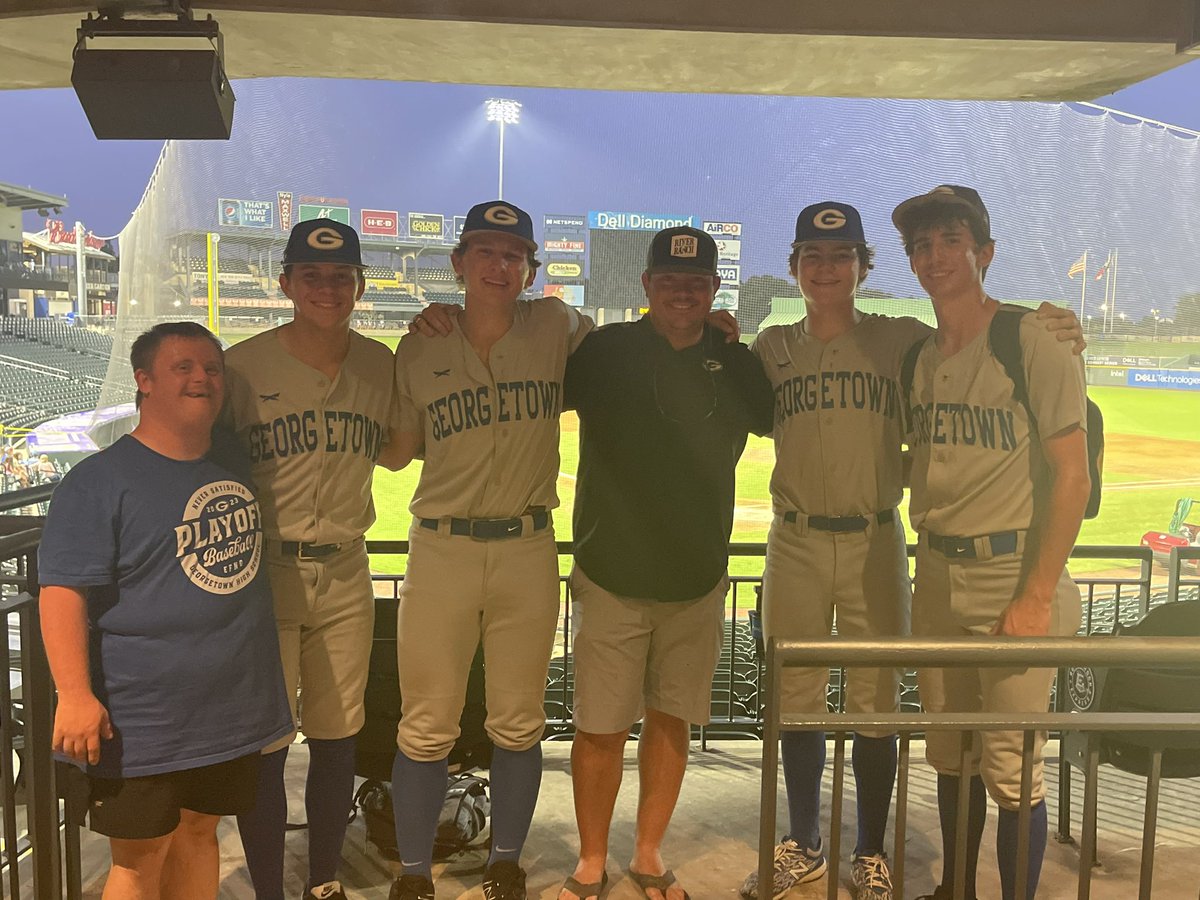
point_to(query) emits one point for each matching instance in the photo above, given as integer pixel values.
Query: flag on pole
(1103, 270)
(1077, 267)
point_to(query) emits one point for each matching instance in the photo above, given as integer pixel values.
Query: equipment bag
(464, 816)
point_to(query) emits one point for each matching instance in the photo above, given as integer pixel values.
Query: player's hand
(723, 320)
(80, 724)
(436, 319)
(1026, 616)
(1064, 323)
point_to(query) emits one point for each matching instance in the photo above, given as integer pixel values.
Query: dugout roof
(934, 49)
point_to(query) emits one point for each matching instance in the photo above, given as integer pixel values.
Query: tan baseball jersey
(971, 443)
(838, 415)
(312, 440)
(491, 431)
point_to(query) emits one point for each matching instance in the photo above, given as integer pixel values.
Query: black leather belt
(842, 524)
(1002, 543)
(304, 550)
(492, 529)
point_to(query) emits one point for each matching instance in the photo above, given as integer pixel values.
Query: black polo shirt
(661, 431)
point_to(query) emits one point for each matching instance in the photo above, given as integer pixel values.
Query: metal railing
(975, 653)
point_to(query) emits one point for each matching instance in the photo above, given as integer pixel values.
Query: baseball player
(485, 403)
(836, 547)
(665, 406)
(991, 551)
(156, 619)
(311, 403)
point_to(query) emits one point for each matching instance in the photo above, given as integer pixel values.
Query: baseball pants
(325, 613)
(458, 589)
(860, 579)
(965, 597)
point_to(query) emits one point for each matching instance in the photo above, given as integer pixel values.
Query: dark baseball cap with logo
(682, 249)
(501, 217)
(323, 241)
(967, 199)
(829, 221)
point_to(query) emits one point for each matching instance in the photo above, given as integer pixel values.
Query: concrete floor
(711, 845)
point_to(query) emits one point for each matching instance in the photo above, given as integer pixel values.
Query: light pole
(506, 112)
(1154, 312)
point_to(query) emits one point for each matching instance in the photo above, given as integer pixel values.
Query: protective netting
(600, 171)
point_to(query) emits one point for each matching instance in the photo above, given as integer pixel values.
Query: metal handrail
(978, 652)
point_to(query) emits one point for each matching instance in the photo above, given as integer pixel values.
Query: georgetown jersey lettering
(331, 430)
(837, 390)
(515, 401)
(969, 424)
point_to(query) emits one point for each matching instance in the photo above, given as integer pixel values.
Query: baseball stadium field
(1152, 457)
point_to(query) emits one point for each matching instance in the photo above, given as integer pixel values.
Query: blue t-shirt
(182, 642)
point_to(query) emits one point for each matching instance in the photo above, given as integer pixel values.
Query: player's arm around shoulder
(576, 326)
(752, 385)
(406, 431)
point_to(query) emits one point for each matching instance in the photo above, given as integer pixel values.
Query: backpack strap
(1004, 339)
(908, 370)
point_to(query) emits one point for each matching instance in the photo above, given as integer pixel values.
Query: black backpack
(1004, 340)
(464, 815)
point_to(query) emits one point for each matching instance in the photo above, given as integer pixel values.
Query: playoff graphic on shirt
(218, 544)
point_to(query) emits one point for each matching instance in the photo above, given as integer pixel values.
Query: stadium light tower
(506, 112)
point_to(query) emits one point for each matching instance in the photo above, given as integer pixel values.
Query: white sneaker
(870, 878)
(793, 865)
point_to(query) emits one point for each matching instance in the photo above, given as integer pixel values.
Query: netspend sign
(636, 221)
(1169, 379)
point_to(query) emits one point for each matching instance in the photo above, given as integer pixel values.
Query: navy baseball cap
(966, 198)
(829, 221)
(501, 217)
(323, 241)
(682, 249)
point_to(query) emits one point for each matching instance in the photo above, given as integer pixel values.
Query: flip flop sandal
(583, 891)
(658, 883)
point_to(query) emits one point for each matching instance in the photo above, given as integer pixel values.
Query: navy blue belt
(842, 524)
(1002, 543)
(492, 529)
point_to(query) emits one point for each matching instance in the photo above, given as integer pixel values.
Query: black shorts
(149, 806)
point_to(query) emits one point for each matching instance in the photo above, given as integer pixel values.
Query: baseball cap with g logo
(502, 217)
(323, 240)
(829, 221)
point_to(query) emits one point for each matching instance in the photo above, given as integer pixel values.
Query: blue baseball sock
(328, 794)
(418, 792)
(948, 786)
(516, 780)
(874, 761)
(803, 755)
(262, 828)
(1007, 832)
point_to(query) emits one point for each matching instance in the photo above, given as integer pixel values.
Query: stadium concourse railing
(1157, 653)
(738, 702)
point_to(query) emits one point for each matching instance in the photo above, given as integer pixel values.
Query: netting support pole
(214, 299)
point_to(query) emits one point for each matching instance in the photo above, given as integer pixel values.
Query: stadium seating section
(49, 368)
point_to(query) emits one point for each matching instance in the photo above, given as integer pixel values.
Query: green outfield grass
(1152, 458)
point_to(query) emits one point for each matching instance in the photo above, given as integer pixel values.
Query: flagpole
(1107, 285)
(1112, 273)
(1083, 289)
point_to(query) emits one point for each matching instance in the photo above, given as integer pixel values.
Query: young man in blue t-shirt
(158, 626)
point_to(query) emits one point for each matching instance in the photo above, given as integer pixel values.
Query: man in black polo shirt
(665, 405)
